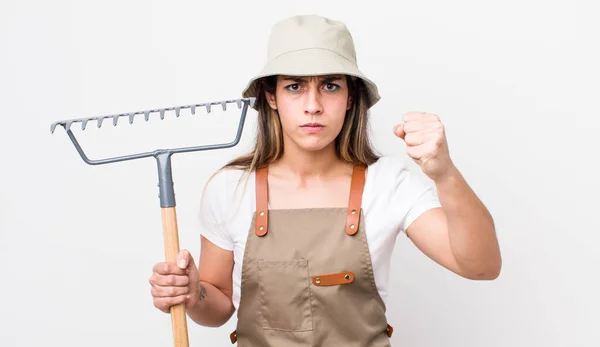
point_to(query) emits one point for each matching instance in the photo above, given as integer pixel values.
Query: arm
(212, 305)
(461, 235)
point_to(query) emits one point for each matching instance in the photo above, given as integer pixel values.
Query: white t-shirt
(394, 196)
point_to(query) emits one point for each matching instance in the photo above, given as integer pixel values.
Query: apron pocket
(284, 295)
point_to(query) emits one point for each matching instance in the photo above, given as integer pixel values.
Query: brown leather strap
(389, 330)
(333, 279)
(356, 190)
(262, 201)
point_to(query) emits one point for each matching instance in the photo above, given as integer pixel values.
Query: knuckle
(154, 278)
(169, 302)
(158, 267)
(172, 301)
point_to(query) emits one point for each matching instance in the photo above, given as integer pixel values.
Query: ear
(271, 100)
(349, 105)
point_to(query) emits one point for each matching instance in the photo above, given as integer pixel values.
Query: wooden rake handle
(171, 238)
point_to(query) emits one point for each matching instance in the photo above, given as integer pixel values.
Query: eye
(293, 87)
(331, 87)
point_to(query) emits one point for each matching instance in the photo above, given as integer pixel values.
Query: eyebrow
(326, 79)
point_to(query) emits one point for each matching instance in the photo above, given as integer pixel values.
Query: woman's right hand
(173, 284)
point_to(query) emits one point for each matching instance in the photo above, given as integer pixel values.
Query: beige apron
(307, 277)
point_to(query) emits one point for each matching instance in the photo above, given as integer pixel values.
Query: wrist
(448, 177)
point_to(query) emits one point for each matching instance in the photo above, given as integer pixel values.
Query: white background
(515, 82)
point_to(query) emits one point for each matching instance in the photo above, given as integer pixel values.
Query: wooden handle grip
(171, 237)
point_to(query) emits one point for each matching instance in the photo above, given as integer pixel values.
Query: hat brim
(312, 62)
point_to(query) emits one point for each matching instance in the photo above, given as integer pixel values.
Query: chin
(314, 144)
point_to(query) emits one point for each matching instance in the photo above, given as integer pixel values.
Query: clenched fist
(173, 284)
(426, 143)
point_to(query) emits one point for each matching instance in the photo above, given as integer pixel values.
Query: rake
(165, 179)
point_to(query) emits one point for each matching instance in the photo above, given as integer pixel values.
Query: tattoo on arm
(202, 292)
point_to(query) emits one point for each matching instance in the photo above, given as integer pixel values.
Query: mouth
(312, 125)
(312, 128)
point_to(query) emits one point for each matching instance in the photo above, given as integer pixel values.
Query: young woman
(297, 236)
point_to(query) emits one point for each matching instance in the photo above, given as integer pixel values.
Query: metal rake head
(163, 156)
(67, 124)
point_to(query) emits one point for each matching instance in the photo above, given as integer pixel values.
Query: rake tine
(68, 125)
(162, 114)
(100, 119)
(224, 105)
(84, 123)
(207, 108)
(146, 115)
(239, 103)
(115, 119)
(131, 117)
(177, 109)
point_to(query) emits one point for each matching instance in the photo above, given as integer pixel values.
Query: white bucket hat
(310, 45)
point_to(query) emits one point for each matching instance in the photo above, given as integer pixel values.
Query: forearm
(212, 307)
(471, 228)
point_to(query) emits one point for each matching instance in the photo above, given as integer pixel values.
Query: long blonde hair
(352, 145)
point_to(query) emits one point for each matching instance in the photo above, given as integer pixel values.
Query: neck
(309, 163)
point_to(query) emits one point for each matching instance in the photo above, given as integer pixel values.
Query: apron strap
(262, 201)
(356, 191)
(354, 204)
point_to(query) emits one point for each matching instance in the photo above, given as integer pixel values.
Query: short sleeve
(427, 200)
(211, 221)
(419, 194)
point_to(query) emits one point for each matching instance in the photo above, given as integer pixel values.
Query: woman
(302, 249)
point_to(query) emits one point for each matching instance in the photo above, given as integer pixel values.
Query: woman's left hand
(426, 143)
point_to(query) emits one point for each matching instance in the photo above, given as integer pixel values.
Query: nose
(312, 102)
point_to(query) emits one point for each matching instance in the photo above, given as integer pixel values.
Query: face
(311, 109)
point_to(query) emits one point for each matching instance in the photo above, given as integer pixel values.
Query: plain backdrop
(515, 83)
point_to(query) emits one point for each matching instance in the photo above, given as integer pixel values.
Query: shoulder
(224, 187)
(388, 169)
(225, 176)
(225, 180)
